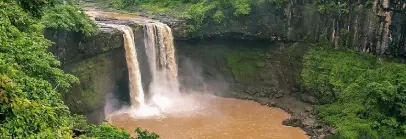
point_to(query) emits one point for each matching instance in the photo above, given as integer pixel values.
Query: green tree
(364, 96)
(70, 18)
(194, 11)
(30, 78)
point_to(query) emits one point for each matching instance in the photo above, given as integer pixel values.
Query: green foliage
(332, 6)
(69, 17)
(144, 134)
(331, 75)
(79, 122)
(218, 16)
(246, 63)
(30, 78)
(279, 3)
(106, 131)
(87, 71)
(365, 95)
(242, 7)
(260, 64)
(341, 7)
(195, 11)
(34, 7)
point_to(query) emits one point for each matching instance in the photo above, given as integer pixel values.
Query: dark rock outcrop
(98, 62)
(379, 28)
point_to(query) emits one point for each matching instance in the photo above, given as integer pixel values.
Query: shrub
(30, 78)
(69, 17)
(364, 96)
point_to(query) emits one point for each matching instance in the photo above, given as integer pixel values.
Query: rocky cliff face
(99, 63)
(379, 28)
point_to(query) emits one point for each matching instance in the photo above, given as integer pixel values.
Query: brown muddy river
(219, 118)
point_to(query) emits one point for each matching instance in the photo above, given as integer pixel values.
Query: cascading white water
(164, 87)
(150, 47)
(137, 96)
(163, 67)
(160, 50)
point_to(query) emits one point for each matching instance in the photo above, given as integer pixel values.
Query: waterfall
(136, 91)
(160, 50)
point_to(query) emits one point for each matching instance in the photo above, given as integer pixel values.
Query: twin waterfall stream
(192, 114)
(161, 58)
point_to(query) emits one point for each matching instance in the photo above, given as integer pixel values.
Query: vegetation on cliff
(195, 11)
(246, 63)
(30, 78)
(70, 18)
(364, 96)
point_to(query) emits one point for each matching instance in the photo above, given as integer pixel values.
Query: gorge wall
(98, 62)
(266, 70)
(249, 69)
(376, 26)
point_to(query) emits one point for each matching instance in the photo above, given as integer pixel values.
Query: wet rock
(263, 101)
(106, 30)
(308, 121)
(103, 19)
(321, 137)
(278, 95)
(333, 131)
(263, 91)
(113, 21)
(242, 95)
(309, 109)
(262, 94)
(321, 130)
(143, 14)
(295, 122)
(272, 103)
(308, 130)
(309, 98)
(78, 132)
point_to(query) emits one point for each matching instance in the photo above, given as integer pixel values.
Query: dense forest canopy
(30, 78)
(363, 96)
